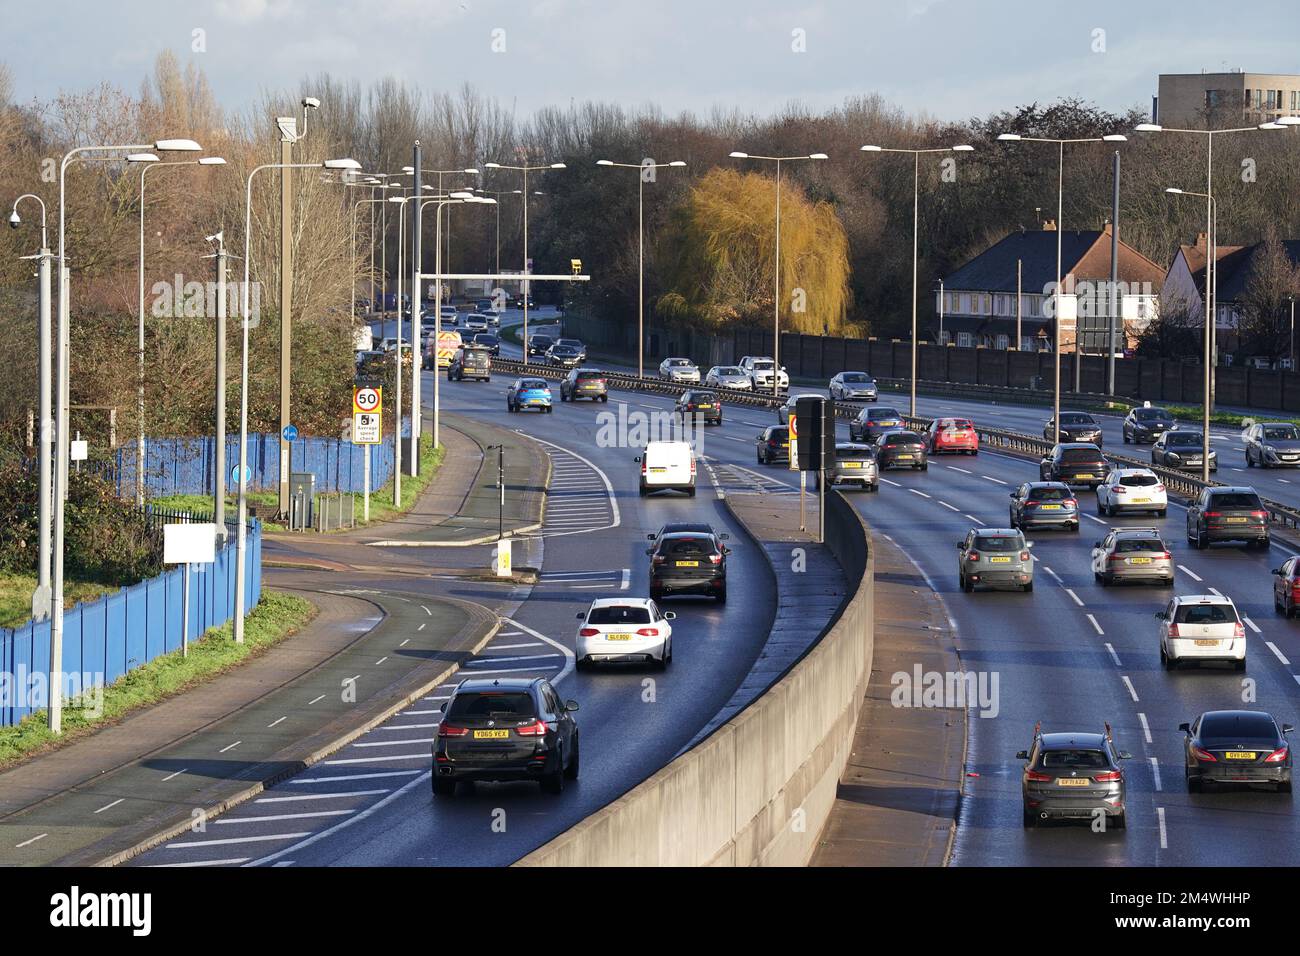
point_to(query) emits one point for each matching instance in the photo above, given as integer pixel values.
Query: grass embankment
(381, 499)
(276, 617)
(16, 596)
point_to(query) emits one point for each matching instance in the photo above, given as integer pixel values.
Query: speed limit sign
(367, 399)
(794, 441)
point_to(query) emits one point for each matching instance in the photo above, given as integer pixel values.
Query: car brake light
(715, 558)
(1204, 756)
(1173, 630)
(1160, 488)
(1116, 557)
(771, 442)
(1238, 631)
(973, 556)
(1210, 514)
(1031, 504)
(588, 632)
(1107, 775)
(648, 631)
(1277, 756)
(1120, 490)
(536, 729)
(451, 730)
(1024, 555)
(657, 559)
(1259, 514)
(692, 466)
(1037, 777)
(1167, 556)
(1072, 502)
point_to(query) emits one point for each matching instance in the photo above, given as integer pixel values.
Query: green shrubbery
(107, 539)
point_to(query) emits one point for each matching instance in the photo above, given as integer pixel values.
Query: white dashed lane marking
(1131, 689)
(1189, 572)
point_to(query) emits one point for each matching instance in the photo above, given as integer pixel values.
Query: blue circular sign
(234, 475)
(290, 433)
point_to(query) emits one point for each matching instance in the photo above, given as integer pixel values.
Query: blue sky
(948, 59)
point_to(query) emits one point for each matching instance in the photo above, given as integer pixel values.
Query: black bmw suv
(1075, 463)
(688, 562)
(511, 729)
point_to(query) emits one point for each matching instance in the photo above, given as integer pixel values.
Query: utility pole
(1019, 337)
(417, 356)
(219, 485)
(1116, 301)
(288, 136)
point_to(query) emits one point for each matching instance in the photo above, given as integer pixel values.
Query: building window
(1026, 343)
(1003, 341)
(964, 340)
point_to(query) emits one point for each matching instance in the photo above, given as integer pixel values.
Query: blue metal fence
(104, 639)
(185, 466)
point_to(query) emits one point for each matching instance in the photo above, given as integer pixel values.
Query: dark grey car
(855, 464)
(1132, 554)
(1073, 776)
(1182, 449)
(1236, 747)
(996, 558)
(1273, 445)
(1145, 424)
(872, 422)
(1044, 504)
(1228, 514)
(1075, 426)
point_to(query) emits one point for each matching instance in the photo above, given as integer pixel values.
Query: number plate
(1240, 754)
(1141, 501)
(1139, 560)
(1207, 643)
(851, 464)
(618, 637)
(1084, 475)
(491, 734)
(1236, 520)
(1050, 507)
(903, 457)
(999, 560)
(688, 564)
(1072, 781)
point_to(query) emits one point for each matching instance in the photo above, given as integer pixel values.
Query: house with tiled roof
(1002, 298)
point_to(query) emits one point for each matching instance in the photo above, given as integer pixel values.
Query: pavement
(897, 801)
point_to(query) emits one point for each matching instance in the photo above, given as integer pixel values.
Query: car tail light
(1160, 488)
(1031, 504)
(451, 730)
(657, 559)
(1204, 756)
(1107, 776)
(536, 729)
(1024, 555)
(715, 558)
(1072, 502)
(1210, 514)
(1120, 490)
(588, 632)
(771, 443)
(1277, 756)
(692, 466)
(1037, 777)
(973, 556)
(1238, 631)
(1173, 630)
(648, 631)
(1116, 557)
(1259, 514)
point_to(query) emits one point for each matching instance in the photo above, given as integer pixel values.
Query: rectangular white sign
(503, 568)
(189, 543)
(367, 428)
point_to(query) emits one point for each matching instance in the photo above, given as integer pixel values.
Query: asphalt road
(370, 803)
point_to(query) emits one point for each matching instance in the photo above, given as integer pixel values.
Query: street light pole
(916, 229)
(776, 265)
(640, 266)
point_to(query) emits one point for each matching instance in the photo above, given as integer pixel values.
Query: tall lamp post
(62, 409)
(916, 208)
(499, 192)
(776, 304)
(523, 283)
(1056, 291)
(1211, 253)
(640, 255)
(241, 531)
(149, 164)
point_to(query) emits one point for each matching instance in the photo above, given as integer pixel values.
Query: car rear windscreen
(877, 414)
(1205, 614)
(1243, 725)
(1151, 415)
(1049, 494)
(489, 704)
(1081, 456)
(533, 383)
(1139, 481)
(1235, 500)
(687, 547)
(1074, 760)
(589, 376)
(855, 378)
(1000, 542)
(1128, 545)
(619, 614)
(903, 438)
(704, 397)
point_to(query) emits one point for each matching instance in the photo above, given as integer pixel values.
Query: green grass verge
(16, 596)
(276, 617)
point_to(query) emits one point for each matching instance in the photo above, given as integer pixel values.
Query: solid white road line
(1131, 690)
(286, 816)
(1251, 624)
(176, 774)
(395, 743)
(231, 747)
(962, 470)
(276, 721)
(251, 839)
(890, 482)
(512, 647)
(921, 493)
(1053, 574)
(19, 846)
(352, 760)
(973, 518)
(1094, 518)
(508, 660)
(345, 778)
(991, 478)
(1189, 572)
(110, 806)
(1146, 728)
(322, 696)
(406, 727)
(1278, 654)
(230, 862)
(569, 660)
(325, 796)
(950, 507)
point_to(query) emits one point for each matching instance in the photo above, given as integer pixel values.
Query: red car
(955, 435)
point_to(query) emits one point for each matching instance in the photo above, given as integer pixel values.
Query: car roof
(1137, 532)
(994, 532)
(668, 444)
(1202, 599)
(1133, 471)
(1047, 484)
(501, 683)
(621, 602)
(681, 535)
(851, 446)
(1078, 444)
(1068, 741)
(698, 527)
(1232, 489)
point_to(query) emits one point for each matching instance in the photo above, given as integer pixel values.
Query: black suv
(1073, 776)
(903, 449)
(699, 403)
(1228, 514)
(688, 562)
(1075, 427)
(539, 344)
(584, 383)
(1075, 463)
(508, 729)
(1144, 425)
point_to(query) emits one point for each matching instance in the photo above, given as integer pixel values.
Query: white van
(667, 465)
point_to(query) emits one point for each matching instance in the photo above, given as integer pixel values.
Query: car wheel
(1161, 512)
(759, 456)
(924, 466)
(642, 490)
(1240, 665)
(1166, 661)
(1028, 818)
(690, 492)
(553, 783)
(604, 398)
(1201, 543)
(1075, 527)
(549, 409)
(966, 586)
(1028, 587)
(1126, 438)
(442, 787)
(1195, 784)
(1011, 519)
(575, 763)
(1284, 786)
(1100, 509)
(1249, 461)
(1118, 821)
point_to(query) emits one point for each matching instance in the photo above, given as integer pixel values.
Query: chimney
(1201, 242)
(1049, 225)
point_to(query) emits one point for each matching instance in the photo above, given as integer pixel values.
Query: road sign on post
(367, 430)
(502, 556)
(794, 443)
(187, 544)
(289, 433)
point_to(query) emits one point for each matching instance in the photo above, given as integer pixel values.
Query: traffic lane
(633, 720)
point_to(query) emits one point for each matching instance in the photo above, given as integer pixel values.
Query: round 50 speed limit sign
(367, 399)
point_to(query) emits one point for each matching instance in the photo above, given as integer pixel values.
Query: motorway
(1073, 655)
(1070, 654)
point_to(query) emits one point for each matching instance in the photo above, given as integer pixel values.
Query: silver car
(855, 464)
(679, 370)
(854, 387)
(996, 558)
(1132, 554)
(728, 376)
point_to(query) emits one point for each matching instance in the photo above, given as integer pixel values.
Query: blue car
(528, 393)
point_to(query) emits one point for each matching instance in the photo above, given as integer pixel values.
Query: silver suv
(996, 558)
(855, 464)
(1132, 554)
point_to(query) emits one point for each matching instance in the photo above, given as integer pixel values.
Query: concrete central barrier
(758, 790)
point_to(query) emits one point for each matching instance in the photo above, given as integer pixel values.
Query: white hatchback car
(1201, 628)
(1132, 489)
(624, 629)
(667, 466)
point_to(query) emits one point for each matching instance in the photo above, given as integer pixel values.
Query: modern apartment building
(1188, 99)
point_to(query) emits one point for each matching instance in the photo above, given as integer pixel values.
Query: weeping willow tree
(718, 250)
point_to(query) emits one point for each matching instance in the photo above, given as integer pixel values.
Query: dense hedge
(107, 540)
